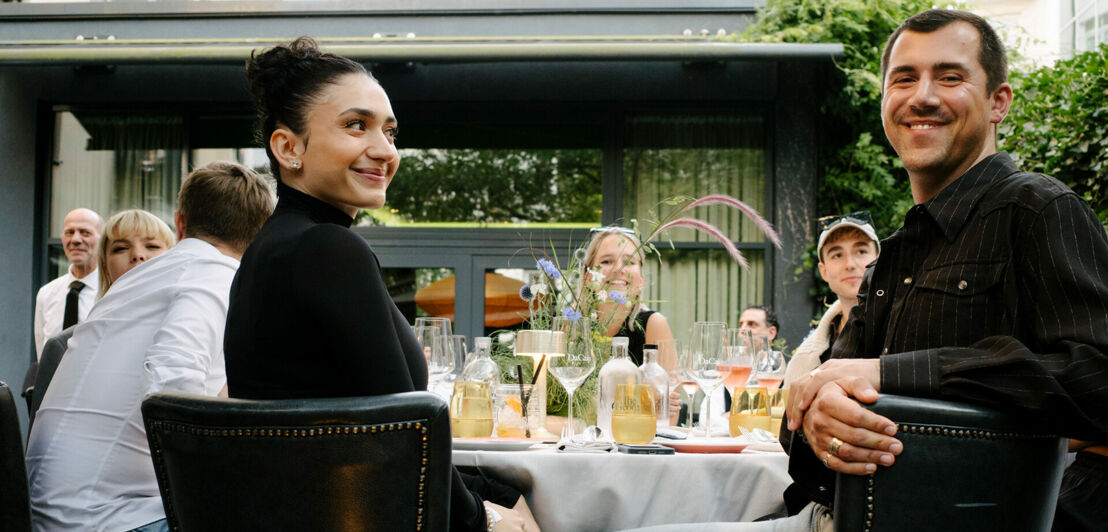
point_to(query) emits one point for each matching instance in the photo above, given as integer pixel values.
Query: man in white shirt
(54, 304)
(160, 327)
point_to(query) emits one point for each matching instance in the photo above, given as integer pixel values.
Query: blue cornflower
(617, 297)
(525, 293)
(550, 269)
(571, 315)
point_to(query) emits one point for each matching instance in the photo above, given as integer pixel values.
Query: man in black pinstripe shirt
(995, 290)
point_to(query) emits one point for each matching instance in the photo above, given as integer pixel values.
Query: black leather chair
(963, 467)
(15, 503)
(359, 463)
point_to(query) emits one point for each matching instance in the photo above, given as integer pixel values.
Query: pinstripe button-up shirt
(995, 291)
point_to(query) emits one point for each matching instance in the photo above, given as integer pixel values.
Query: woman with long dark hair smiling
(310, 314)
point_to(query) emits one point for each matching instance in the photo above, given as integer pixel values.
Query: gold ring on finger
(834, 446)
(826, 460)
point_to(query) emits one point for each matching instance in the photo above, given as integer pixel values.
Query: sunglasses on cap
(859, 218)
(623, 230)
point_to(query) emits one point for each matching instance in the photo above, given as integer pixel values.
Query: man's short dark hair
(225, 201)
(991, 55)
(771, 318)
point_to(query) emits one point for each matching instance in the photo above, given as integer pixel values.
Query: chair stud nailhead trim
(270, 432)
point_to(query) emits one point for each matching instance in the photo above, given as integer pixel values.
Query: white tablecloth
(602, 492)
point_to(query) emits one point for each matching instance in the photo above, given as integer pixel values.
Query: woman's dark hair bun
(285, 81)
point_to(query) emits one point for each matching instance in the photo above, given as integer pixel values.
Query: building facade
(521, 127)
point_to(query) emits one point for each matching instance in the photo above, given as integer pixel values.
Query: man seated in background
(159, 328)
(760, 321)
(847, 244)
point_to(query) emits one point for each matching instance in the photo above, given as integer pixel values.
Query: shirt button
(885, 351)
(907, 280)
(962, 284)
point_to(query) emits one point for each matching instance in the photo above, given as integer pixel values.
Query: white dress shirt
(50, 304)
(160, 327)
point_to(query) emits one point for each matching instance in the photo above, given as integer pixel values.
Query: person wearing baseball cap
(847, 244)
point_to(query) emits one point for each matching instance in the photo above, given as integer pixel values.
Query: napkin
(590, 441)
(585, 447)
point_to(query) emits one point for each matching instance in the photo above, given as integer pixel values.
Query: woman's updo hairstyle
(286, 80)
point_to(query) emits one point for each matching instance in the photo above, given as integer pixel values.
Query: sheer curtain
(694, 155)
(112, 162)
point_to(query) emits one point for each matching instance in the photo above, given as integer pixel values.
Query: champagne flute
(705, 362)
(574, 366)
(633, 417)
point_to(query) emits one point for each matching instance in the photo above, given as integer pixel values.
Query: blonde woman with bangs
(130, 238)
(615, 255)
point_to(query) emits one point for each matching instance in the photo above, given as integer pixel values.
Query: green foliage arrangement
(1058, 124)
(860, 170)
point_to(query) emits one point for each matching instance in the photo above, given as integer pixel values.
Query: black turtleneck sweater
(310, 316)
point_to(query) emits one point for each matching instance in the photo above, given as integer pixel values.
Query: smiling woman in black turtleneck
(310, 315)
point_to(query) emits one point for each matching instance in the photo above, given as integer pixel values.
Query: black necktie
(70, 316)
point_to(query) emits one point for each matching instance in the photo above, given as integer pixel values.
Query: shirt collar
(951, 207)
(91, 280)
(317, 209)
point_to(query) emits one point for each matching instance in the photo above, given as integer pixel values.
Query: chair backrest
(52, 352)
(964, 467)
(15, 503)
(355, 463)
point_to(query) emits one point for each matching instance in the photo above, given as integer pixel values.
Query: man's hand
(863, 438)
(803, 390)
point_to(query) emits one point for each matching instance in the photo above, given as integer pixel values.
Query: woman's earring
(295, 164)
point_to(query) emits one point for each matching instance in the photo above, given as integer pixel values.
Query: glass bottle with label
(618, 370)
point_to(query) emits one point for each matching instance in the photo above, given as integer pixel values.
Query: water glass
(471, 410)
(633, 417)
(777, 400)
(749, 410)
(508, 405)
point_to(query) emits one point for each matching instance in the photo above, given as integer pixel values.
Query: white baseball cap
(860, 220)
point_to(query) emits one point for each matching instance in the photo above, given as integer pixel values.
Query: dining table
(579, 492)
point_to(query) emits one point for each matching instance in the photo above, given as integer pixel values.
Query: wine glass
(574, 366)
(633, 417)
(457, 346)
(771, 365)
(670, 353)
(430, 321)
(706, 362)
(740, 358)
(440, 359)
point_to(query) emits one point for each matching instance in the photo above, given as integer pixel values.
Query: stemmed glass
(706, 362)
(440, 358)
(771, 365)
(457, 346)
(740, 357)
(670, 354)
(574, 366)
